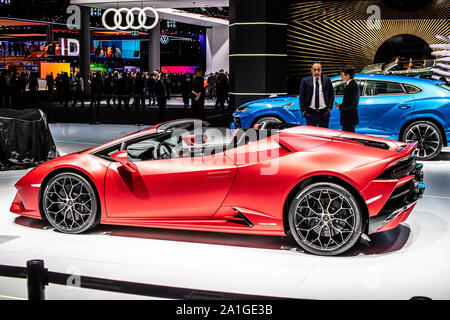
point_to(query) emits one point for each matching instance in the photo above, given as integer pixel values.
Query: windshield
(186, 124)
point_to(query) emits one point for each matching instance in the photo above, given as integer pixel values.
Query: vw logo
(142, 18)
(164, 39)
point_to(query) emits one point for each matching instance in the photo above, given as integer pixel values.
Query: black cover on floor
(25, 139)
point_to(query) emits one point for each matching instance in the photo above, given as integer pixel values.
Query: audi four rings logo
(129, 18)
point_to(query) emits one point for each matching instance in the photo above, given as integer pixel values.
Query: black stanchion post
(36, 279)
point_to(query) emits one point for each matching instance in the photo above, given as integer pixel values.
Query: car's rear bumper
(400, 203)
(397, 208)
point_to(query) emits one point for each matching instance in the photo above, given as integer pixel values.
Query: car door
(382, 106)
(179, 187)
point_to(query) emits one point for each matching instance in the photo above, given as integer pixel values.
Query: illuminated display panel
(55, 67)
(178, 69)
(127, 49)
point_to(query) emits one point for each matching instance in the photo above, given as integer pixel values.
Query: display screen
(99, 67)
(131, 69)
(55, 67)
(127, 49)
(178, 69)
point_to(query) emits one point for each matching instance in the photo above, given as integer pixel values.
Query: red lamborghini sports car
(325, 187)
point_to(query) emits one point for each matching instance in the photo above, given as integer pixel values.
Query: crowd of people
(119, 88)
(16, 48)
(13, 85)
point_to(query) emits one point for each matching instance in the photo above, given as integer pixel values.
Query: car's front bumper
(236, 123)
(26, 203)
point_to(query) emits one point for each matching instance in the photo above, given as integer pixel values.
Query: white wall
(217, 49)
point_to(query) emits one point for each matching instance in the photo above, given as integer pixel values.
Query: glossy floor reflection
(411, 260)
(385, 242)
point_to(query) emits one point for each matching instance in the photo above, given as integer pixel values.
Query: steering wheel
(164, 151)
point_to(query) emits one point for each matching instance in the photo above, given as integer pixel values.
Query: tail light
(403, 167)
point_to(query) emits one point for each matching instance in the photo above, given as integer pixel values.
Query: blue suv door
(383, 107)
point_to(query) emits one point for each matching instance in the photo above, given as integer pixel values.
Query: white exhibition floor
(412, 260)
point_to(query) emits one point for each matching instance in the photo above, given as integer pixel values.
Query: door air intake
(370, 143)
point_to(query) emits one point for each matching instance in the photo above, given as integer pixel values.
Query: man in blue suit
(316, 97)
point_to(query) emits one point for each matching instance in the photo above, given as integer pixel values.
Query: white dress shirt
(322, 104)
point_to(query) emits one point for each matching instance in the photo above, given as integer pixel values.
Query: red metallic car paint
(28, 187)
(379, 192)
(186, 193)
(161, 188)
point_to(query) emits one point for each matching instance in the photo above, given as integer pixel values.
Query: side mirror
(122, 158)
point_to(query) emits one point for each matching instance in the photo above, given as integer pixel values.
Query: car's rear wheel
(264, 121)
(325, 219)
(69, 203)
(429, 137)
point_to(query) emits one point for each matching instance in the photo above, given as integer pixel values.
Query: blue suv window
(339, 87)
(375, 88)
(411, 89)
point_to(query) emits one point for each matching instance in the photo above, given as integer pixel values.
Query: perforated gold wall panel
(337, 32)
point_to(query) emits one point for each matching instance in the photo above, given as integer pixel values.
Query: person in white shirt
(316, 97)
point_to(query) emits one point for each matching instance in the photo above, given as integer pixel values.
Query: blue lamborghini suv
(393, 107)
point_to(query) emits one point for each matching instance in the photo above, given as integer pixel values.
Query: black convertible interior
(184, 143)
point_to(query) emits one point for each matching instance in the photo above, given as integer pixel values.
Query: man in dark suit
(349, 106)
(198, 94)
(162, 95)
(96, 93)
(316, 97)
(221, 84)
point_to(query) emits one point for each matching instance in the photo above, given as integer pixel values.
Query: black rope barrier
(38, 277)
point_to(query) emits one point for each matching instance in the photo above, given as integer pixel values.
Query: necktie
(317, 94)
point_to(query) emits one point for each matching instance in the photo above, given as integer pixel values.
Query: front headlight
(289, 105)
(243, 109)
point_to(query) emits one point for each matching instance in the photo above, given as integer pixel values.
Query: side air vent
(240, 217)
(370, 143)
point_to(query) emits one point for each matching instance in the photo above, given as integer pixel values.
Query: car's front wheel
(325, 219)
(264, 121)
(69, 203)
(429, 137)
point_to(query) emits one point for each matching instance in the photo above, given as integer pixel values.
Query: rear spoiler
(404, 153)
(408, 148)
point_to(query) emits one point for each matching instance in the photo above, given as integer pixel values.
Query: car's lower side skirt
(227, 219)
